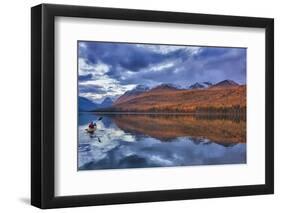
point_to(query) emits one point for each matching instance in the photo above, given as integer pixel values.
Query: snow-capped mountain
(166, 87)
(139, 89)
(200, 85)
(226, 83)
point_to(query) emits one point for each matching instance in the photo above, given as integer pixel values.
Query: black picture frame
(43, 102)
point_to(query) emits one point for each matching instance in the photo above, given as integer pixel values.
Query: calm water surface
(138, 141)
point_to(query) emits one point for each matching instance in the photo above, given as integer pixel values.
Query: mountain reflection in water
(155, 140)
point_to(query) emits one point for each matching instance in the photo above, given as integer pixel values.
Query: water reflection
(138, 141)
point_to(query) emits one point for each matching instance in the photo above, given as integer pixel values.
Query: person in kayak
(92, 125)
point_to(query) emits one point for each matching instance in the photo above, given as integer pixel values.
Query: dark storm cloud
(85, 77)
(227, 64)
(126, 56)
(231, 64)
(132, 64)
(84, 88)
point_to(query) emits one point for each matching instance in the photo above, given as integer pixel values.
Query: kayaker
(92, 125)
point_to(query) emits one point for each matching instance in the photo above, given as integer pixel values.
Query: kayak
(91, 130)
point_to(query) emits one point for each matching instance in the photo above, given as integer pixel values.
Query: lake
(160, 140)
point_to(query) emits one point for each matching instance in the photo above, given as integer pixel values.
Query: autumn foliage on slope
(231, 99)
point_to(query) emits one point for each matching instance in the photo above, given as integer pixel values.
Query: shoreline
(163, 113)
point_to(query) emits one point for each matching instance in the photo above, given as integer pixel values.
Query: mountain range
(128, 95)
(85, 104)
(226, 96)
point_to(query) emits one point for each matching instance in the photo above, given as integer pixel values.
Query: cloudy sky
(108, 69)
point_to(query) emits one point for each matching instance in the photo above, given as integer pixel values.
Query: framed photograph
(139, 106)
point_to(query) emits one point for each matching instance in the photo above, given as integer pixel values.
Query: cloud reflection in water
(116, 145)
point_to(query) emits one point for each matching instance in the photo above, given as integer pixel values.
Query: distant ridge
(200, 85)
(225, 83)
(107, 102)
(162, 87)
(86, 105)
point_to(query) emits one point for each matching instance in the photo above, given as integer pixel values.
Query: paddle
(100, 118)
